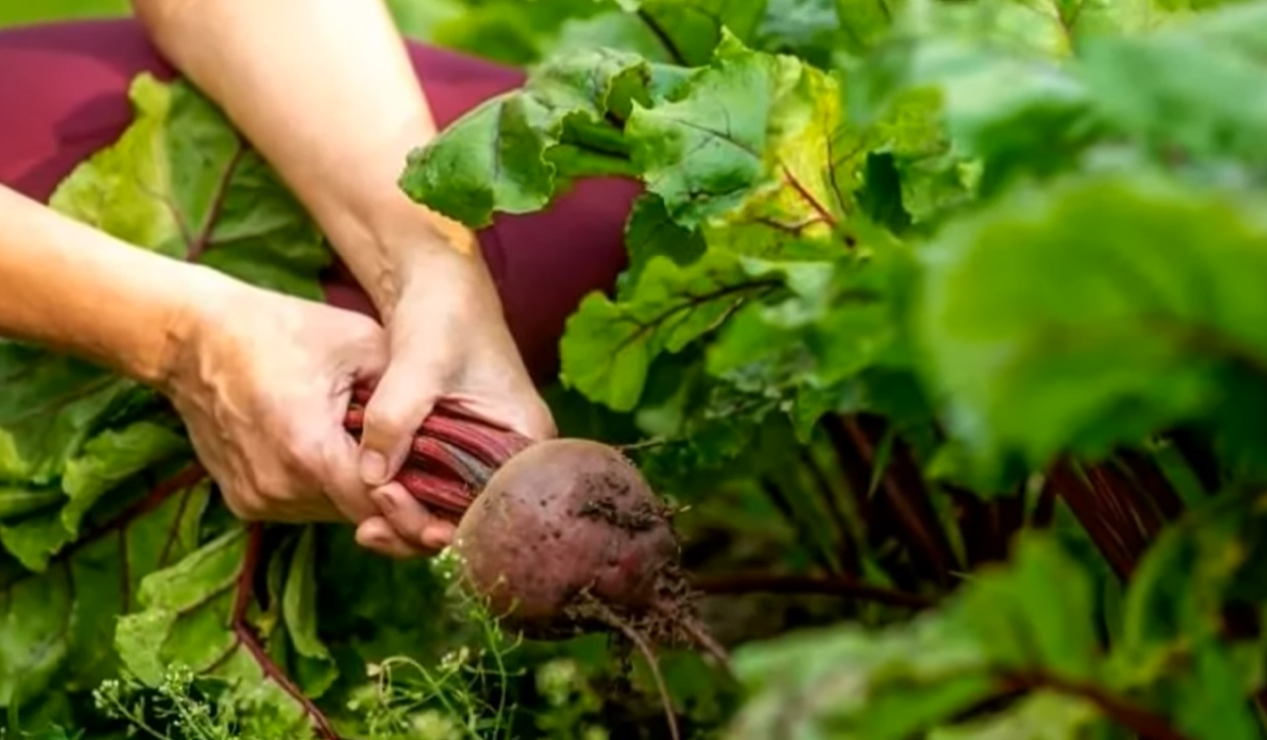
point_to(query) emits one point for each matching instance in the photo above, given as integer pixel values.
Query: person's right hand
(263, 382)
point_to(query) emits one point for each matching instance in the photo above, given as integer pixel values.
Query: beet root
(562, 519)
(567, 535)
(558, 537)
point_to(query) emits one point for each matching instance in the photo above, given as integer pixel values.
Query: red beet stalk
(453, 455)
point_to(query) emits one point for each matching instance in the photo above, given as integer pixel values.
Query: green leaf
(110, 458)
(1041, 716)
(838, 320)
(649, 233)
(755, 150)
(48, 410)
(865, 23)
(808, 29)
(849, 683)
(608, 347)
(1037, 614)
(1190, 88)
(299, 612)
(189, 618)
(690, 30)
(508, 31)
(1029, 625)
(56, 447)
(500, 156)
(83, 450)
(181, 181)
(57, 625)
(1091, 313)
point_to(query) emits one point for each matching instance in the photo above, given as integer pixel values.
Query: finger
(411, 520)
(377, 535)
(401, 401)
(524, 413)
(342, 475)
(362, 361)
(538, 422)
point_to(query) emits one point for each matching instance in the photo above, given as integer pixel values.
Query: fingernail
(373, 468)
(436, 536)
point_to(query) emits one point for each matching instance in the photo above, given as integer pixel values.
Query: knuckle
(307, 449)
(303, 448)
(383, 422)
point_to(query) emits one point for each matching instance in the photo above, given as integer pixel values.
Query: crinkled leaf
(754, 149)
(838, 319)
(181, 182)
(49, 409)
(650, 232)
(500, 155)
(690, 30)
(78, 444)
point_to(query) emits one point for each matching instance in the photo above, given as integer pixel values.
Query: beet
(559, 537)
(564, 518)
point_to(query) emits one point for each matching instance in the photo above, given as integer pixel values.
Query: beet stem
(247, 637)
(611, 618)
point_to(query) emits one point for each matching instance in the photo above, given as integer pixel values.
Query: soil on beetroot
(560, 538)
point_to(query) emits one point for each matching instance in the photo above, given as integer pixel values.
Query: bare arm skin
(325, 91)
(81, 291)
(215, 346)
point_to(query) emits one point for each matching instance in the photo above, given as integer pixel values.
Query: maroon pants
(63, 96)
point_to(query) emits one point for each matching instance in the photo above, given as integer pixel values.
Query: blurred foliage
(942, 324)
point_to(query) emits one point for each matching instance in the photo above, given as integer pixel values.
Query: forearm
(75, 289)
(324, 89)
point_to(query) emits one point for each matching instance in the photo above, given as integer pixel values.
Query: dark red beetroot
(563, 522)
(559, 536)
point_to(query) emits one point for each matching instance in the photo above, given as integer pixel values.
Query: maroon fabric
(63, 96)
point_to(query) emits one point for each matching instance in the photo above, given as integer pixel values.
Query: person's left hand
(448, 340)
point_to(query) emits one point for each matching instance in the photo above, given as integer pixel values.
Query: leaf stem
(663, 37)
(247, 638)
(1142, 721)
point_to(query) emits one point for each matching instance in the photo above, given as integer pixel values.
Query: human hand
(448, 340)
(263, 382)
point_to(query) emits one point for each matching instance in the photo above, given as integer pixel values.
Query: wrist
(390, 242)
(206, 294)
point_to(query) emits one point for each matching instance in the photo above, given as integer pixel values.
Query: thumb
(400, 402)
